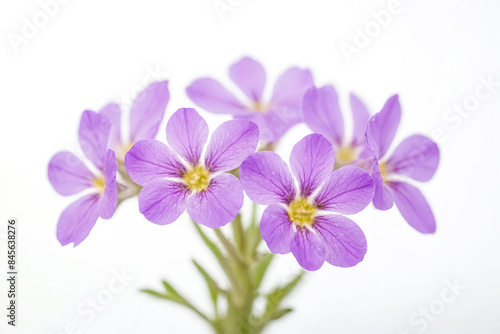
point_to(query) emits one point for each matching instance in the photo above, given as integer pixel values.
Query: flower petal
(308, 249)
(274, 123)
(150, 159)
(219, 204)
(321, 112)
(348, 190)
(108, 202)
(77, 220)
(113, 113)
(382, 196)
(210, 95)
(266, 179)
(163, 201)
(381, 127)
(68, 174)
(344, 242)
(147, 111)
(250, 77)
(312, 161)
(416, 157)
(413, 207)
(187, 134)
(231, 143)
(290, 88)
(94, 136)
(276, 229)
(360, 117)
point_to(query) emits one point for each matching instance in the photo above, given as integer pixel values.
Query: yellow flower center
(301, 212)
(99, 183)
(384, 172)
(259, 106)
(345, 155)
(197, 178)
(122, 150)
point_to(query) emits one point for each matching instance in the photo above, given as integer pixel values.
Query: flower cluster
(328, 176)
(274, 116)
(102, 143)
(298, 219)
(193, 183)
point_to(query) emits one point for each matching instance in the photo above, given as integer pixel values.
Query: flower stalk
(244, 269)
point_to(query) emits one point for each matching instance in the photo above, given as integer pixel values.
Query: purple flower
(416, 157)
(69, 176)
(195, 183)
(146, 115)
(321, 112)
(274, 117)
(297, 219)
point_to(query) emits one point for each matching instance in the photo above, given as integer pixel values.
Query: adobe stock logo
(38, 20)
(455, 116)
(429, 313)
(363, 37)
(222, 7)
(88, 310)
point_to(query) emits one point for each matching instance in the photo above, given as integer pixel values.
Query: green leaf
(280, 313)
(171, 291)
(260, 269)
(212, 286)
(163, 296)
(211, 245)
(172, 295)
(223, 261)
(275, 298)
(154, 293)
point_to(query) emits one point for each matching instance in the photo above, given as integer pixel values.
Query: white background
(93, 52)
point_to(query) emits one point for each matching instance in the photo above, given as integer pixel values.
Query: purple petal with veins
(68, 174)
(276, 229)
(113, 113)
(381, 127)
(187, 134)
(413, 207)
(267, 179)
(150, 159)
(163, 201)
(308, 249)
(312, 160)
(416, 157)
(147, 111)
(231, 143)
(107, 205)
(94, 137)
(344, 242)
(348, 190)
(212, 96)
(219, 204)
(77, 220)
(321, 112)
(382, 197)
(360, 117)
(249, 75)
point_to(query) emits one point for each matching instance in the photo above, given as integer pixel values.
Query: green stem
(194, 309)
(245, 269)
(239, 234)
(253, 232)
(220, 258)
(244, 296)
(233, 252)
